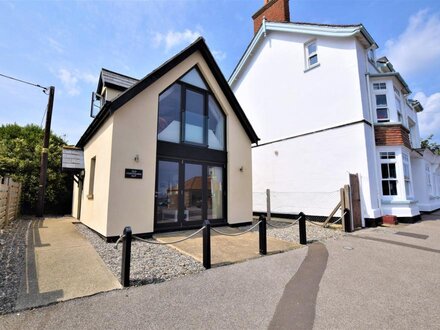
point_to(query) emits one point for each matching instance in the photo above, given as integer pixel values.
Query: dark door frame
(181, 224)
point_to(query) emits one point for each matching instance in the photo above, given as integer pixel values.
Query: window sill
(399, 202)
(90, 196)
(312, 67)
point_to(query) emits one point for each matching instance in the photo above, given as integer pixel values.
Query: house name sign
(131, 173)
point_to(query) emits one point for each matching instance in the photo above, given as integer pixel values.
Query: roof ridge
(319, 24)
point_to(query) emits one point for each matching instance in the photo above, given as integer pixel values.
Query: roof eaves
(392, 74)
(100, 118)
(198, 45)
(247, 53)
(331, 30)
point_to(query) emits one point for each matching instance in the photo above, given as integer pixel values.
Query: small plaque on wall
(131, 173)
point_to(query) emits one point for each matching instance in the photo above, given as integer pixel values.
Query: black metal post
(207, 245)
(126, 256)
(263, 235)
(302, 229)
(347, 221)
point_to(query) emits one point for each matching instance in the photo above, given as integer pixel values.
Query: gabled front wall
(131, 201)
(282, 99)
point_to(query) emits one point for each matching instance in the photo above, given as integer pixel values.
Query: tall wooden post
(44, 154)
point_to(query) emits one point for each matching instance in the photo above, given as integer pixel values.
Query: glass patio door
(188, 193)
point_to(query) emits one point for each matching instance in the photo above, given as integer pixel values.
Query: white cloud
(418, 47)
(219, 55)
(429, 118)
(172, 39)
(71, 80)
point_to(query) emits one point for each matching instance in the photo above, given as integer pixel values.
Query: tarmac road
(373, 279)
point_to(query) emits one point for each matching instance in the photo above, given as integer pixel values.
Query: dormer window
(189, 114)
(311, 54)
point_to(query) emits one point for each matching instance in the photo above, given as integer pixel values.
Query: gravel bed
(12, 262)
(291, 233)
(149, 263)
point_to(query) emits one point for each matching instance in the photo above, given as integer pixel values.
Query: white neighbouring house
(324, 107)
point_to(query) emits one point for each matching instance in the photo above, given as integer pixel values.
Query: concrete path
(366, 280)
(61, 264)
(225, 249)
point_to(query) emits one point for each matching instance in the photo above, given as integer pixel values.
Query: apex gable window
(189, 114)
(311, 52)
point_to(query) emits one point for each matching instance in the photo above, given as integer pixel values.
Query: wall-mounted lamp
(276, 152)
(136, 158)
(241, 169)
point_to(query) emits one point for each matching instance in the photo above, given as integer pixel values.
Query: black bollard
(347, 221)
(263, 235)
(302, 229)
(126, 256)
(207, 245)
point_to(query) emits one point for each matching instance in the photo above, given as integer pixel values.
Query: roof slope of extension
(114, 80)
(111, 106)
(329, 30)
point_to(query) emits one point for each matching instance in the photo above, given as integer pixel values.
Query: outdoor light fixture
(136, 158)
(241, 169)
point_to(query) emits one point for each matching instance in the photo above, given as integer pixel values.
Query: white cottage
(324, 107)
(166, 152)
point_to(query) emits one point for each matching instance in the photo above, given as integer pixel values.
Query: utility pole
(44, 154)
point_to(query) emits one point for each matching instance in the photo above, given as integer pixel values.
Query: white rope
(166, 243)
(237, 234)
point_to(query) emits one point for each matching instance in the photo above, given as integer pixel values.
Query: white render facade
(324, 107)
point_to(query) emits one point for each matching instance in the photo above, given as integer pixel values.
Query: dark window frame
(206, 93)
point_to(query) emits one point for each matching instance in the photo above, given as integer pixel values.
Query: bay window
(389, 174)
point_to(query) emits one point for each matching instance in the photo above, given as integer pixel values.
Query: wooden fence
(10, 192)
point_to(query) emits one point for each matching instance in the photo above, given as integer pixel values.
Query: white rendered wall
(282, 100)
(306, 173)
(428, 199)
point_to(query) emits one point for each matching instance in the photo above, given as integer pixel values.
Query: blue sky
(66, 43)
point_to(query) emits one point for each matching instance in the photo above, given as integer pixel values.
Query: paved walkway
(225, 249)
(61, 264)
(372, 279)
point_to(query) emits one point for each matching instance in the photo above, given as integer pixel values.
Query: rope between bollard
(316, 223)
(166, 243)
(337, 220)
(281, 227)
(118, 241)
(237, 234)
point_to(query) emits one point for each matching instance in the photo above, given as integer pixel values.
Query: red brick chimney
(274, 11)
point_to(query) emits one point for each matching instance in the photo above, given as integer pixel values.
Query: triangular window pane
(193, 78)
